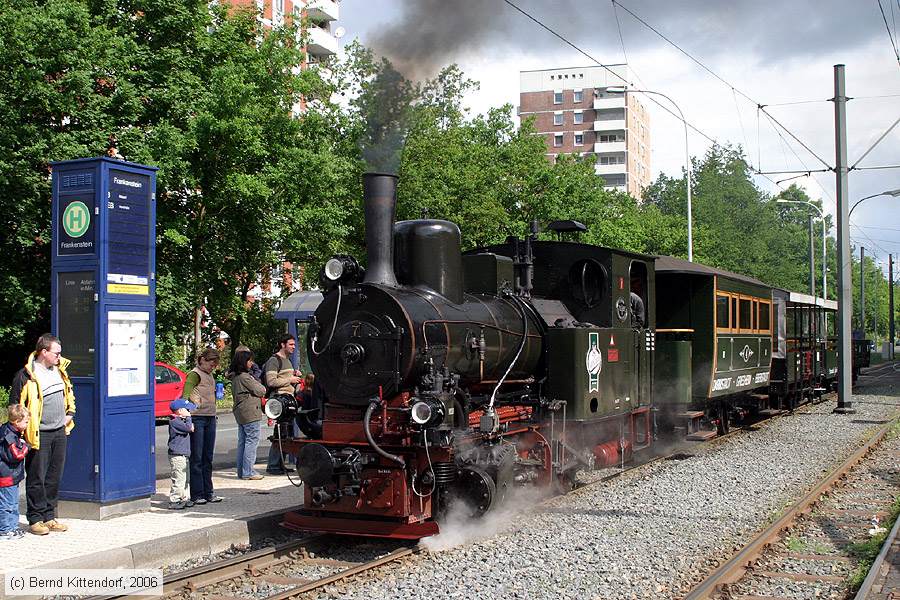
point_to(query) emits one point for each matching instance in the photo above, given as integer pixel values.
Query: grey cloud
(428, 34)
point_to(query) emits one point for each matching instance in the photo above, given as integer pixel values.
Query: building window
(578, 117)
(606, 139)
(579, 139)
(612, 160)
(579, 96)
(558, 118)
(558, 140)
(557, 97)
(278, 7)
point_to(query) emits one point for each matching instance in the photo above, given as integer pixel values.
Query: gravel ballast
(651, 533)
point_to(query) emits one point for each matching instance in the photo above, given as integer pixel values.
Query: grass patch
(795, 544)
(866, 552)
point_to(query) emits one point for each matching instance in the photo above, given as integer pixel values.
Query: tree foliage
(244, 183)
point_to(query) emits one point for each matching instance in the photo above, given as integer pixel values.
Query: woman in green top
(200, 388)
(247, 411)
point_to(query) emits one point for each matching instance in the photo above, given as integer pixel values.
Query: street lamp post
(894, 193)
(821, 216)
(687, 158)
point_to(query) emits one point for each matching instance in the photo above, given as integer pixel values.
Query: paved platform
(883, 581)
(251, 509)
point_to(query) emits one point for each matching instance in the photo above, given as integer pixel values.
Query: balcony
(322, 10)
(609, 169)
(321, 43)
(609, 147)
(610, 125)
(602, 103)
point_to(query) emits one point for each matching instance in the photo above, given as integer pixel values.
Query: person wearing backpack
(279, 377)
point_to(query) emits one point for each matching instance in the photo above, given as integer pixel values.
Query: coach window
(734, 313)
(765, 314)
(754, 315)
(745, 322)
(722, 315)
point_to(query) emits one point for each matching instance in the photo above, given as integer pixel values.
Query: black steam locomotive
(451, 378)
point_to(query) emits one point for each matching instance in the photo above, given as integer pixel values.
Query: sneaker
(11, 535)
(39, 528)
(188, 503)
(55, 525)
(200, 501)
(275, 471)
(215, 498)
(18, 533)
(255, 477)
(177, 505)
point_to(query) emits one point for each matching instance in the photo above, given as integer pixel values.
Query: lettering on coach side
(761, 377)
(721, 384)
(742, 380)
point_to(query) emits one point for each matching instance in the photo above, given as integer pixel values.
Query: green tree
(63, 94)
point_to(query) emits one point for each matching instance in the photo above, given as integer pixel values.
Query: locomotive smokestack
(380, 200)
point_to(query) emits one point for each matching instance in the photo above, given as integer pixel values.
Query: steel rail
(189, 580)
(732, 570)
(335, 577)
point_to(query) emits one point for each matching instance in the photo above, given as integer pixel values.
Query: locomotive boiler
(450, 379)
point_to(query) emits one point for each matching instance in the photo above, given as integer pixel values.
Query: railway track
(281, 572)
(294, 569)
(813, 549)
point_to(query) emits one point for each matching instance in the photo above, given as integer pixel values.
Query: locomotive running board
(362, 527)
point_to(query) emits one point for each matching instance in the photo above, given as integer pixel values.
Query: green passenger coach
(714, 345)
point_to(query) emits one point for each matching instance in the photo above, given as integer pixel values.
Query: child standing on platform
(180, 429)
(12, 470)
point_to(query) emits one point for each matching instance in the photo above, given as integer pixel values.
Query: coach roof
(669, 264)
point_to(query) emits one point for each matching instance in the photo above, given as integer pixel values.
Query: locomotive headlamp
(281, 407)
(334, 268)
(340, 269)
(427, 412)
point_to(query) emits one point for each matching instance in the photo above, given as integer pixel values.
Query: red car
(169, 385)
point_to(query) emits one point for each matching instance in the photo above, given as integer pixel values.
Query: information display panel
(76, 305)
(127, 344)
(128, 237)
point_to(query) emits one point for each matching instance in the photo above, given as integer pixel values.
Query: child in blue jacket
(12, 470)
(180, 428)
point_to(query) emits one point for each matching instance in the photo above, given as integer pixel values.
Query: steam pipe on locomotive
(433, 395)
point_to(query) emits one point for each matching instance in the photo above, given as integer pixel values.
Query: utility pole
(891, 303)
(877, 308)
(812, 261)
(845, 293)
(862, 293)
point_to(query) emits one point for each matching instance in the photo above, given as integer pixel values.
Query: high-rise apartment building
(575, 112)
(321, 14)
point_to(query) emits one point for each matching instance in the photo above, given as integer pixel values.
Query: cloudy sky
(774, 52)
